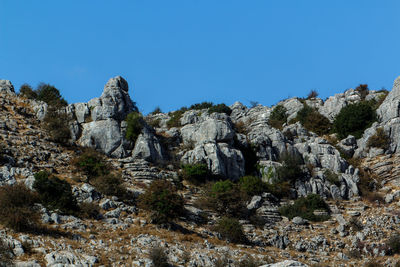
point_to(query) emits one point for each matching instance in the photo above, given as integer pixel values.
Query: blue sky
(178, 52)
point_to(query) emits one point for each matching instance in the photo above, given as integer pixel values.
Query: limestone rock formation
(100, 124)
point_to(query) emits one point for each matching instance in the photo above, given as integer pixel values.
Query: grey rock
(255, 203)
(33, 263)
(390, 108)
(286, 263)
(299, 221)
(148, 147)
(279, 241)
(107, 204)
(66, 258)
(220, 158)
(114, 102)
(113, 213)
(6, 87)
(104, 135)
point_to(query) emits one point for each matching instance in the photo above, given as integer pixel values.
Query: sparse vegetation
(355, 224)
(354, 119)
(51, 95)
(223, 197)
(27, 91)
(158, 257)
(252, 185)
(195, 173)
(56, 125)
(202, 105)
(379, 140)
(278, 117)
(313, 121)
(394, 243)
(304, 207)
(231, 230)
(220, 108)
(89, 210)
(163, 201)
(312, 94)
(6, 254)
(134, 126)
(291, 168)
(248, 261)
(54, 193)
(16, 208)
(110, 185)
(332, 177)
(175, 118)
(363, 90)
(91, 163)
(157, 110)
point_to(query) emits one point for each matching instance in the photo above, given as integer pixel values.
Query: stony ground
(124, 237)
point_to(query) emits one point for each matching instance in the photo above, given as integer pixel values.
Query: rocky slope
(124, 236)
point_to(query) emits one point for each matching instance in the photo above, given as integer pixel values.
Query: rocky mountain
(298, 150)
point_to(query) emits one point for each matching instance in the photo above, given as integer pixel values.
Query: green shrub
(220, 108)
(134, 126)
(278, 117)
(280, 189)
(394, 243)
(89, 210)
(291, 168)
(252, 185)
(332, 177)
(230, 229)
(157, 110)
(158, 257)
(55, 124)
(304, 207)
(27, 91)
(354, 119)
(313, 121)
(202, 105)
(175, 118)
(195, 173)
(163, 201)
(223, 197)
(55, 193)
(110, 185)
(91, 163)
(17, 208)
(379, 140)
(51, 95)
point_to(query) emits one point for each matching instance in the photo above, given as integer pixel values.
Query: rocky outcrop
(100, 124)
(6, 87)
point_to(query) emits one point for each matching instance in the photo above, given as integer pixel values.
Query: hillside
(341, 152)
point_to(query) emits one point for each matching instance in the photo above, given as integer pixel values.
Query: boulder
(220, 159)
(286, 263)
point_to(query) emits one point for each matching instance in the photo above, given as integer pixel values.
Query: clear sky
(175, 53)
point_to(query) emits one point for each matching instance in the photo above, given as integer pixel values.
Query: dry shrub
(379, 140)
(89, 210)
(17, 208)
(111, 185)
(158, 257)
